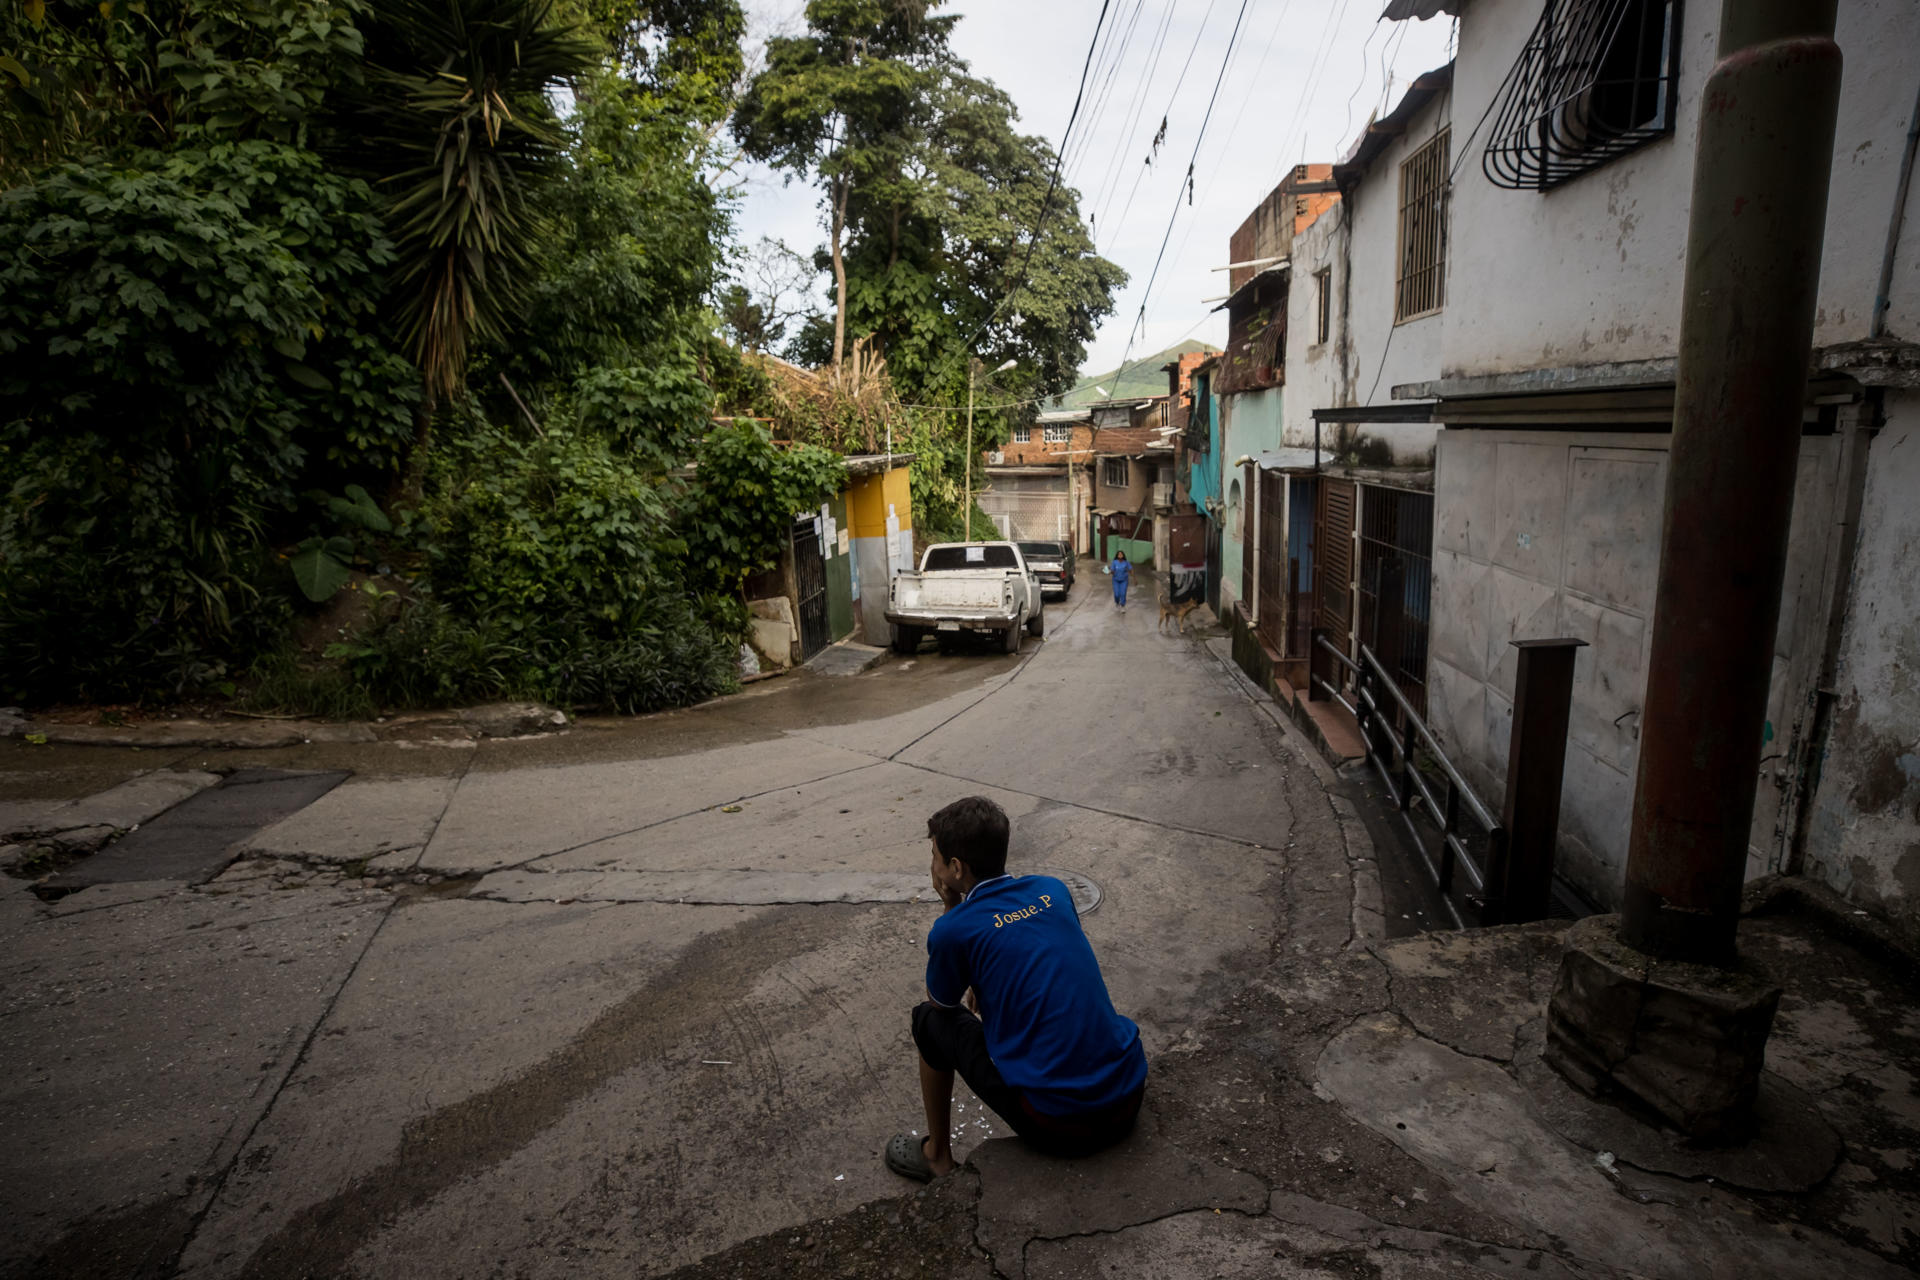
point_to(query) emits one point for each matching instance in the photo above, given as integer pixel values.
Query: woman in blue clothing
(1122, 571)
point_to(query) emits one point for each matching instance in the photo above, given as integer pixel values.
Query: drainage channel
(194, 841)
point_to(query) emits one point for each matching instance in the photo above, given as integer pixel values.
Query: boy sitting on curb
(1016, 1005)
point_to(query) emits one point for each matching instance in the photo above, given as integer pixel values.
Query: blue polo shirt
(1050, 1025)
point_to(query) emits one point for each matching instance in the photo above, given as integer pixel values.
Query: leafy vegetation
(393, 330)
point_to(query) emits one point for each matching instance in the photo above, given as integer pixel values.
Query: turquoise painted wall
(1139, 552)
(1251, 423)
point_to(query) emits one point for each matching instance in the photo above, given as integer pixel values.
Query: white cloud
(1303, 79)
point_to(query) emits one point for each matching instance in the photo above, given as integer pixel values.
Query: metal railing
(1408, 786)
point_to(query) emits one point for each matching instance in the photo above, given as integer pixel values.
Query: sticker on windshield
(976, 555)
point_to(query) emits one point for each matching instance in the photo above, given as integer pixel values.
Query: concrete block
(1686, 1040)
(773, 641)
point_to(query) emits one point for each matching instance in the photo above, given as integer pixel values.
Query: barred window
(1322, 304)
(1116, 472)
(1023, 435)
(1057, 435)
(1595, 80)
(1420, 280)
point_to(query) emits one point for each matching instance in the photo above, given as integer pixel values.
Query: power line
(1122, 143)
(1105, 93)
(1164, 115)
(1040, 222)
(1146, 295)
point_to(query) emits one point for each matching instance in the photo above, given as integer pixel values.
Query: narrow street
(649, 997)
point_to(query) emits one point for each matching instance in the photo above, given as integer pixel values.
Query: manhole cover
(1086, 894)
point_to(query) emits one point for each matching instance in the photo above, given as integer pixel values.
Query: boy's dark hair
(974, 830)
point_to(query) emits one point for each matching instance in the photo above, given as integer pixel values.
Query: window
(1057, 435)
(1236, 521)
(1023, 435)
(1115, 473)
(1420, 280)
(1595, 80)
(1322, 304)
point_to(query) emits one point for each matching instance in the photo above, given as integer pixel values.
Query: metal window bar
(1420, 282)
(1596, 79)
(1357, 687)
(1396, 584)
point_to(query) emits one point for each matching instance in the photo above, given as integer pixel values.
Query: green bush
(178, 356)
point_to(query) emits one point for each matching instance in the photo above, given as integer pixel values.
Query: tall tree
(455, 122)
(978, 256)
(847, 103)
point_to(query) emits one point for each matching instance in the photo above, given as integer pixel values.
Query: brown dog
(1178, 612)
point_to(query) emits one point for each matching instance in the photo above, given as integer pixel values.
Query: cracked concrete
(403, 1056)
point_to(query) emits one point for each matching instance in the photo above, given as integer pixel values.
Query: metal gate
(1333, 572)
(1302, 511)
(1396, 585)
(810, 587)
(1272, 572)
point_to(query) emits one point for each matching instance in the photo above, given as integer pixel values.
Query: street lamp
(966, 505)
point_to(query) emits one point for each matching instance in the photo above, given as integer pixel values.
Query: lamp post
(966, 505)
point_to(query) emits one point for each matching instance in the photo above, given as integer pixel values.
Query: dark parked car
(1052, 563)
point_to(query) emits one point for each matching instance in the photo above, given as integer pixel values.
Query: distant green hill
(1144, 376)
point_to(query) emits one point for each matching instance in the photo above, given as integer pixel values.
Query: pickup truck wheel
(906, 640)
(1010, 638)
(1037, 624)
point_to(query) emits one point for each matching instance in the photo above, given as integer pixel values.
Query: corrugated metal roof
(1400, 10)
(1266, 273)
(1374, 139)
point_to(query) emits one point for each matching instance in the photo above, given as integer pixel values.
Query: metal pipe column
(1761, 168)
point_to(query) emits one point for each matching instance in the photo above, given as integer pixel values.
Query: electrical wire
(1146, 295)
(1040, 222)
(1147, 162)
(1105, 92)
(1122, 143)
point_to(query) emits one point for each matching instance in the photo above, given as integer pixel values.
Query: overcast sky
(1302, 80)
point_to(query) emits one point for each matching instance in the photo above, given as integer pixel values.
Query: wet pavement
(633, 998)
(452, 1019)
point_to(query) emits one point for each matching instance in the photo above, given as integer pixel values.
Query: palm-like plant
(455, 124)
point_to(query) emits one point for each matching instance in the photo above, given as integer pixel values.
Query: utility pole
(1758, 219)
(1634, 1010)
(966, 505)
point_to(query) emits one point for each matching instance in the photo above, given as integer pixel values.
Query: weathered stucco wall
(1251, 423)
(1384, 354)
(1864, 834)
(1591, 271)
(1546, 534)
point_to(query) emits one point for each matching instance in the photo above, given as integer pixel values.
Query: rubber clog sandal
(906, 1157)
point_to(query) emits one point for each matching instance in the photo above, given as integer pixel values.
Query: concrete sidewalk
(1380, 1109)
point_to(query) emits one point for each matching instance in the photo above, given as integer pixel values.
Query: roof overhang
(863, 464)
(1628, 393)
(1275, 272)
(1401, 10)
(1375, 137)
(1376, 413)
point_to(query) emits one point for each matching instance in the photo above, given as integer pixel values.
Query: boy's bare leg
(936, 1095)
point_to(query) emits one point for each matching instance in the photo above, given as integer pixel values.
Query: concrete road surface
(609, 1002)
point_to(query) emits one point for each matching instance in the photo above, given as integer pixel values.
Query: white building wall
(1591, 271)
(1382, 354)
(1863, 836)
(1541, 534)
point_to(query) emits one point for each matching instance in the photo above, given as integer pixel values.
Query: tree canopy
(941, 234)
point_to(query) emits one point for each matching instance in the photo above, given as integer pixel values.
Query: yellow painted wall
(868, 497)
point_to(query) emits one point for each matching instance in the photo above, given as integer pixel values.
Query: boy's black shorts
(955, 1040)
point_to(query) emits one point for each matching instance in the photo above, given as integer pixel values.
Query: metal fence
(1409, 760)
(1396, 584)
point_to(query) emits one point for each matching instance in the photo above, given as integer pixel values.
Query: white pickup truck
(966, 586)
